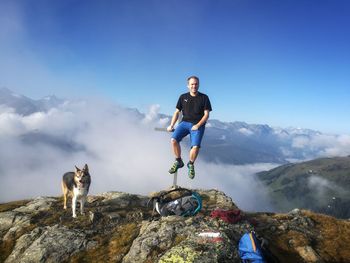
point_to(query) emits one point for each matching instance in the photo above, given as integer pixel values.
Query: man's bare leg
(176, 148)
(193, 156)
(194, 153)
(177, 152)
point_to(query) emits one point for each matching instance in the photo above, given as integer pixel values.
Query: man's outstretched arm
(173, 120)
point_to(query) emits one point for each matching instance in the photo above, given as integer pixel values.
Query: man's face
(193, 86)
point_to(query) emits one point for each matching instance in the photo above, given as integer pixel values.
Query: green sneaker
(176, 166)
(191, 172)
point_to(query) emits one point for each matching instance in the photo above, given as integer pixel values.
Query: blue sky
(282, 63)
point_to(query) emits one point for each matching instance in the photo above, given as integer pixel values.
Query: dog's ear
(86, 168)
(76, 168)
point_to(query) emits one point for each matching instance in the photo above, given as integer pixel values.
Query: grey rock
(12, 223)
(48, 244)
(38, 204)
(123, 200)
(308, 254)
(6, 220)
(295, 212)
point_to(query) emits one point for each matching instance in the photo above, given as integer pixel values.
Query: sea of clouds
(121, 147)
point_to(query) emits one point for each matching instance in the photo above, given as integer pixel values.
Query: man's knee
(173, 141)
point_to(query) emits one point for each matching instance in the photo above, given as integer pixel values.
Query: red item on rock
(229, 216)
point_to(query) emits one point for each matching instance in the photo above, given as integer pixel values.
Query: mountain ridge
(321, 185)
(26, 106)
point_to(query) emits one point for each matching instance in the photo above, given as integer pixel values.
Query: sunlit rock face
(120, 227)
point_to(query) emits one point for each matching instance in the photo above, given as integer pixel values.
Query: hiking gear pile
(180, 201)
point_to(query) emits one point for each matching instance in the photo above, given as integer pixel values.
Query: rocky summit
(120, 227)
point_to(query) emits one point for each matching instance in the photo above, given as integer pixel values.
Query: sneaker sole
(175, 170)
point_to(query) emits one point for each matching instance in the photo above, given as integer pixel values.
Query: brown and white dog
(77, 184)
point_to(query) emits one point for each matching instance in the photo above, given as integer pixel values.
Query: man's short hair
(193, 77)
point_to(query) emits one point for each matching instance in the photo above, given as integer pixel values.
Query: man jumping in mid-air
(195, 107)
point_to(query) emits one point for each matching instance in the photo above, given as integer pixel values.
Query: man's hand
(170, 128)
(195, 127)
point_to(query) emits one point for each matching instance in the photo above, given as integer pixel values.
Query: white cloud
(152, 113)
(300, 142)
(245, 131)
(322, 187)
(10, 124)
(318, 182)
(123, 153)
(324, 144)
(119, 150)
(237, 181)
(163, 122)
(339, 146)
(152, 116)
(5, 109)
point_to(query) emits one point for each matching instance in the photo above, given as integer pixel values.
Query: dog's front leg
(82, 202)
(65, 193)
(64, 201)
(74, 204)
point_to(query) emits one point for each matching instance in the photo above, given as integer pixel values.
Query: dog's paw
(64, 207)
(74, 216)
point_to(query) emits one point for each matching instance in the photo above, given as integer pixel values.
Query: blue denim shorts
(184, 128)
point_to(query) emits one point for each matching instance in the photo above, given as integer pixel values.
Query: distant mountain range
(24, 105)
(321, 185)
(241, 143)
(224, 142)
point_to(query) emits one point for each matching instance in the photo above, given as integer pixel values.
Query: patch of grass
(57, 215)
(281, 247)
(121, 241)
(334, 240)
(178, 239)
(12, 205)
(6, 248)
(111, 248)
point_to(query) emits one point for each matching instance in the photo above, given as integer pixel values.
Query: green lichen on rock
(180, 254)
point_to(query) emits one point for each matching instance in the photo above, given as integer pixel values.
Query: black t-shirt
(193, 107)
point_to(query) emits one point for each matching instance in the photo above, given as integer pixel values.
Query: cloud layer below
(121, 147)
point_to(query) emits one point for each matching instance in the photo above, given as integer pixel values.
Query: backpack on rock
(179, 201)
(254, 250)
